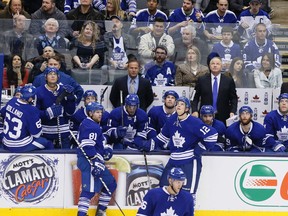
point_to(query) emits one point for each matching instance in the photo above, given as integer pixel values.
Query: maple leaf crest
(169, 212)
(131, 132)
(160, 80)
(283, 134)
(178, 140)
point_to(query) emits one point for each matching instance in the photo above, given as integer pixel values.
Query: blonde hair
(95, 35)
(117, 9)
(196, 50)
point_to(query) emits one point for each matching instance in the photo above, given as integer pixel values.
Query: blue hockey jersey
(45, 99)
(183, 136)
(227, 53)
(158, 202)
(144, 18)
(276, 126)
(21, 124)
(253, 140)
(162, 75)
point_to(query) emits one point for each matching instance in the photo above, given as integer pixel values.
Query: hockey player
(128, 124)
(158, 115)
(22, 124)
(181, 134)
(245, 135)
(207, 114)
(80, 114)
(92, 147)
(55, 109)
(168, 200)
(276, 124)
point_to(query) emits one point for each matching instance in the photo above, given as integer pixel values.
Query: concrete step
(280, 8)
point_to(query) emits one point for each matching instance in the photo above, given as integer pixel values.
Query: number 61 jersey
(186, 138)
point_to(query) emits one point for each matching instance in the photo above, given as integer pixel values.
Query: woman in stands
(113, 9)
(187, 74)
(236, 71)
(268, 76)
(90, 49)
(15, 73)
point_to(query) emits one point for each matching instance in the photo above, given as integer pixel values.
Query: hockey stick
(90, 162)
(147, 169)
(121, 102)
(102, 95)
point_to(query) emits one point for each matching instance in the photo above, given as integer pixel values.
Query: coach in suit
(217, 90)
(132, 84)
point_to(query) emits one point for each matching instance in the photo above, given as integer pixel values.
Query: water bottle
(246, 98)
(255, 114)
(266, 98)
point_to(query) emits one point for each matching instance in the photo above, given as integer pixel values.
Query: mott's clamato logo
(263, 183)
(28, 178)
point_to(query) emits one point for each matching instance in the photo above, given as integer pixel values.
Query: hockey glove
(121, 131)
(129, 142)
(247, 145)
(54, 111)
(98, 168)
(68, 88)
(278, 147)
(147, 145)
(108, 152)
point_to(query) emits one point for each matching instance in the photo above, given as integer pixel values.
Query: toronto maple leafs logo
(178, 140)
(283, 134)
(160, 80)
(169, 212)
(131, 132)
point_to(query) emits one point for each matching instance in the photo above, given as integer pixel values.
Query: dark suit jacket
(227, 97)
(284, 88)
(144, 92)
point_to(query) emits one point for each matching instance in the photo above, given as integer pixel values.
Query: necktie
(215, 93)
(132, 87)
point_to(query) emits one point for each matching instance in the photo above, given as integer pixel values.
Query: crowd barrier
(234, 184)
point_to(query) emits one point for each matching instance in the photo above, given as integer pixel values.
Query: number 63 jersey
(185, 138)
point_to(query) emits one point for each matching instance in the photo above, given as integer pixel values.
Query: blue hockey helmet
(170, 92)
(282, 96)
(28, 91)
(49, 70)
(177, 174)
(207, 110)
(245, 109)
(94, 106)
(185, 100)
(90, 93)
(132, 100)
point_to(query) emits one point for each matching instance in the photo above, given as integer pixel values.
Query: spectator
(113, 9)
(268, 76)
(131, 84)
(160, 72)
(275, 123)
(217, 19)
(168, 198)
(217, 90)
(226, 48)
(90, 50)
(51, 37)
(128, 124)
(241, 76)
(182, 134)
(183, 16)
(254, 49)
(188, 73)
(38, 64)
(129, 6)
(188, 39)
(149, 41)
(14, 7)
(158, 115)
(55, 109)
(22, 124)
(48, 10)
(207, 115)
(143, 22)
(15, 73)
(82, 13)
(249, 18)
(245, 134)
(64, 79)
(120, 45)
(18, 41)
